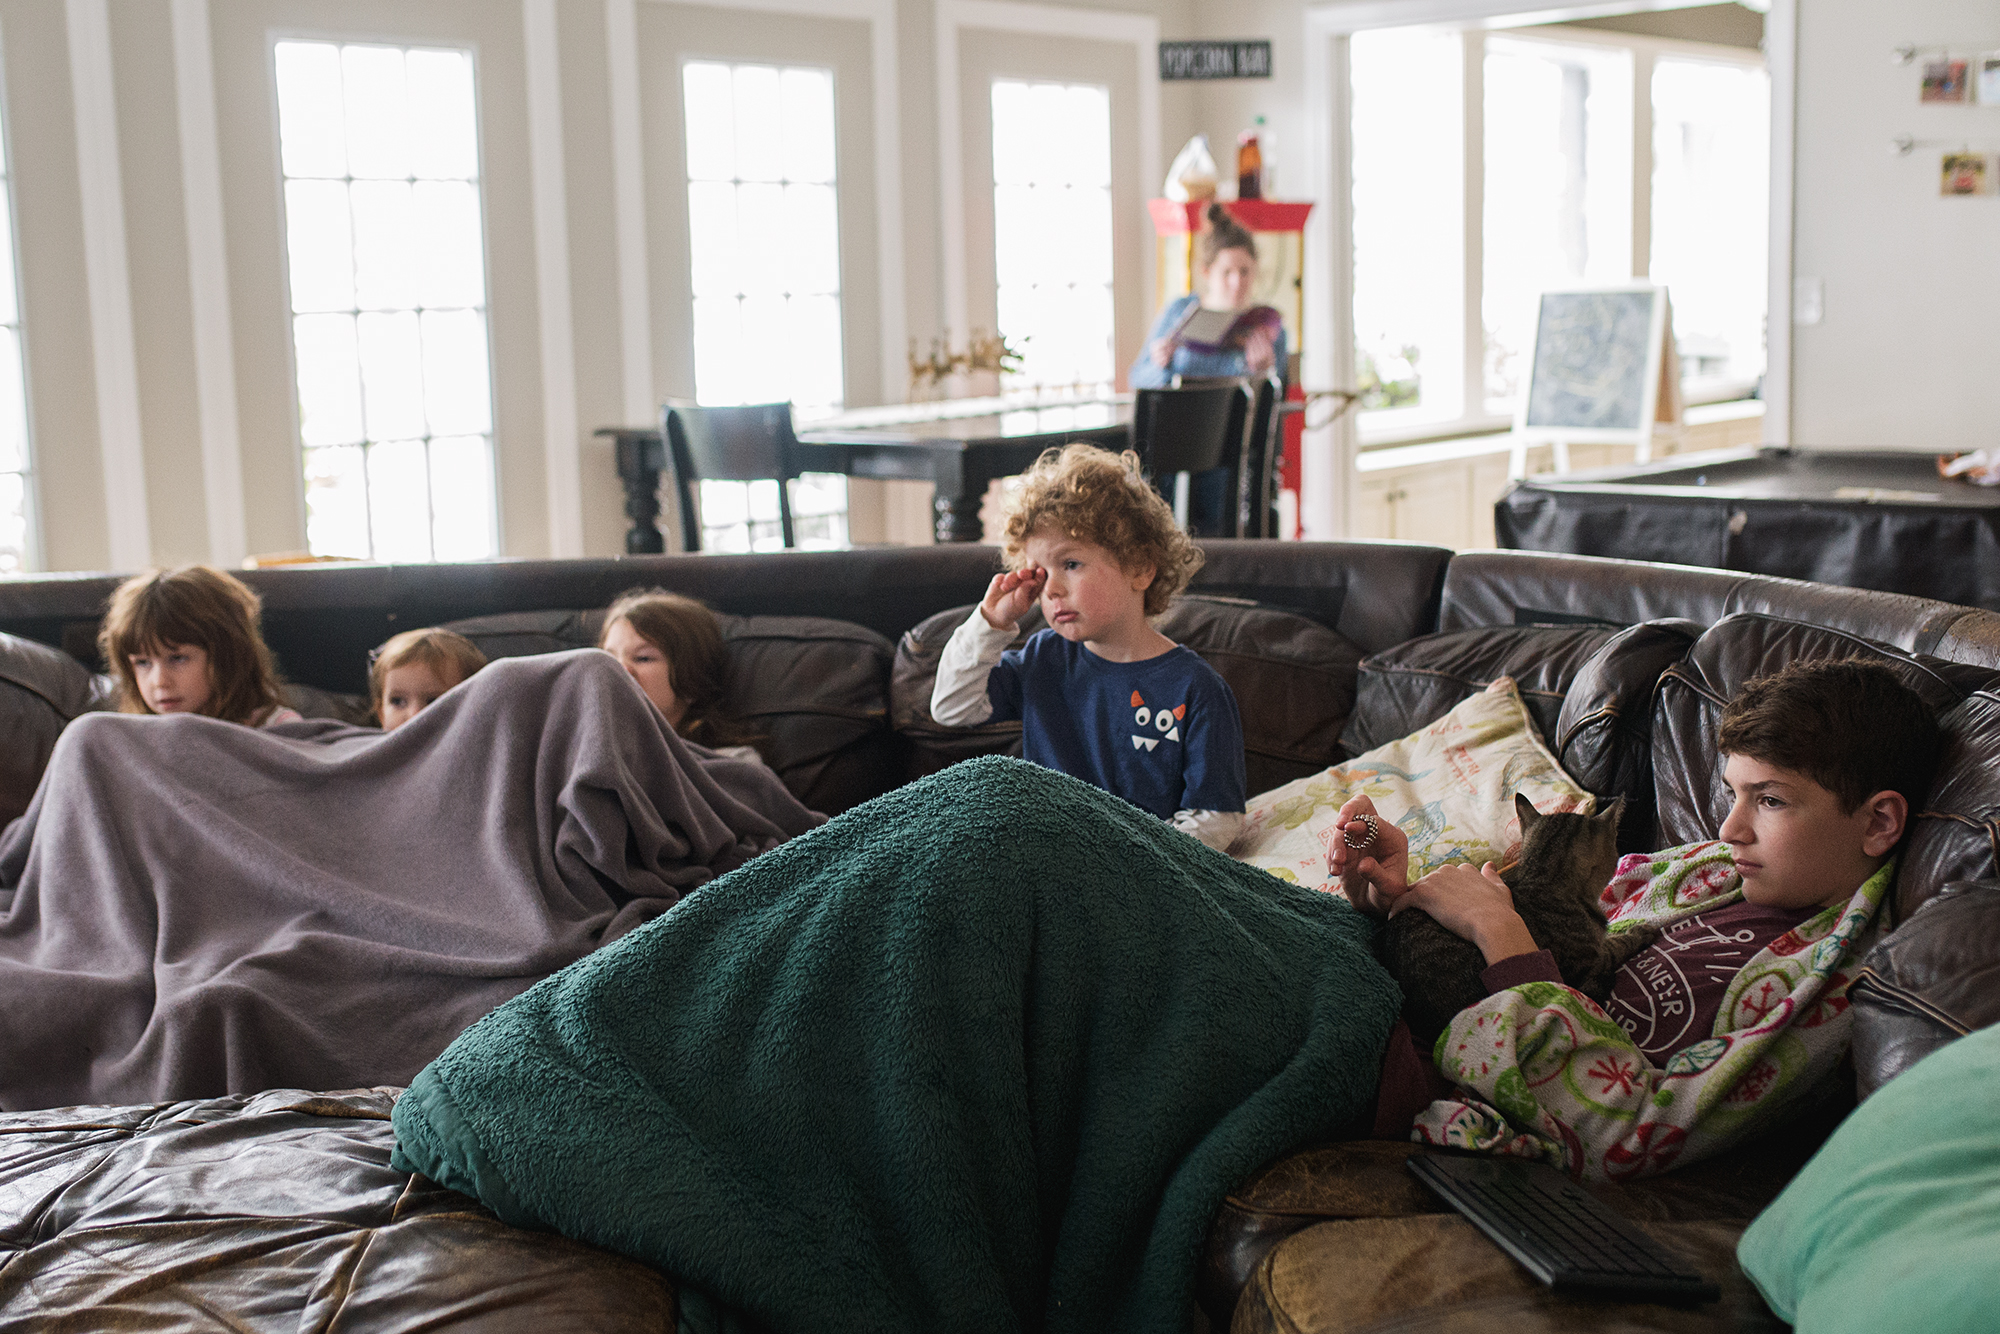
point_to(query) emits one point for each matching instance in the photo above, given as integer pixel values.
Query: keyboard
(1562, 1234)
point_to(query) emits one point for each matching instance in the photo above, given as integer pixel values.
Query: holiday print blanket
(1544, 1073)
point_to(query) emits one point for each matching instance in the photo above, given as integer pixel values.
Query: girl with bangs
(186, 641)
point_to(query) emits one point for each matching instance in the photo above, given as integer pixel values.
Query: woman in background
(672, 646)
(1225, 275)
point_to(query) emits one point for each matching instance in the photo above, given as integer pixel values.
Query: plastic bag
(1193, 175)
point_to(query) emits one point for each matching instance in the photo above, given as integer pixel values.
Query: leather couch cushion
(1370, 1179)
(933, 746)
(312, 702)
(41, 689)
(1604, 732)
(1935, 979)
(1523, 587)
(277, 1211)
(1954, 832)
(1437, 1273)
(1416, 683)
(1293, 679)
(1957, 832)
(814, 690)
(1589, 689)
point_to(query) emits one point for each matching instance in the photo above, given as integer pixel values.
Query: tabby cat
(1566, 860)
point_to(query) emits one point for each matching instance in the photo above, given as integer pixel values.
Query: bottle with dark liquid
(1249, 167)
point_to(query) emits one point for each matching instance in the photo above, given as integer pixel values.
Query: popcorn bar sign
(1215, 60)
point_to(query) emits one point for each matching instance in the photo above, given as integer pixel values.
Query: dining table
(961, 446)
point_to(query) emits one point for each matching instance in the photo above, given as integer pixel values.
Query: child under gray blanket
(190, 908)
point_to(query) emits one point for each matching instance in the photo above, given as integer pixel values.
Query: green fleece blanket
(983, 1054)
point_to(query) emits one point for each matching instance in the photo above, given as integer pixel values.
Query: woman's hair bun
(1223, 232)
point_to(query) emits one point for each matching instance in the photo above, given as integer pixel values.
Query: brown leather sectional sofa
(278, 1209)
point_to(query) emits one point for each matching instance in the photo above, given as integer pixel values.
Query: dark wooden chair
(1264, 444)
(746, 444)
(1197, 435)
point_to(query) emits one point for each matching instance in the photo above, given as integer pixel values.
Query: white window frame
(1387, 427)
(839, 514)
(470, 49)
(1016, 382)
(33, 556)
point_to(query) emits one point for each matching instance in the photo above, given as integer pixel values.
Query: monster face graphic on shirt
(1154, 725)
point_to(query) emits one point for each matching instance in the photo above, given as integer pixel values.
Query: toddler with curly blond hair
(1101, 694)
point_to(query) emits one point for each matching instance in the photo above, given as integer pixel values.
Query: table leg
(639, 456)
(959, 489)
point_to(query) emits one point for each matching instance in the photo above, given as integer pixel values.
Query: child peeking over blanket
(411, 670)
(1100, 693)
(186, 641)
(672, 648)
(1738, 1010)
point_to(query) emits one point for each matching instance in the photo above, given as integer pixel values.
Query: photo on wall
(1966, 174)
(1987, 83)
(1944, 80)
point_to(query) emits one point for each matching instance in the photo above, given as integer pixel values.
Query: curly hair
(198, 606)
(1085, 492)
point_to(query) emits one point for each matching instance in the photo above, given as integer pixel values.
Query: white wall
(1905, 355)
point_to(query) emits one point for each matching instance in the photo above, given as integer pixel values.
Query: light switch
(1808, 301)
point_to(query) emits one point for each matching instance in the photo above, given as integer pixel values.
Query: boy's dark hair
(1085, 492)
(1850, 725)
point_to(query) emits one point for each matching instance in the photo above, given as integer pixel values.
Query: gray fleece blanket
(191, 908)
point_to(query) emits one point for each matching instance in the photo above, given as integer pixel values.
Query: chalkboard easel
(1603, 371)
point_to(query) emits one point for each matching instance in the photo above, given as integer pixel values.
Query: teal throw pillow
(1895, 1223)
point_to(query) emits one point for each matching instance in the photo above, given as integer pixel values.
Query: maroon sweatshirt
(1666, 997)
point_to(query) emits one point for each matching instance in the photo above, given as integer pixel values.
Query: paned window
(1711, 170)
(1489, 167)
(385, 238)
(17, 510)
(1052, 232)
(1407, 220)
(764, 257)
(1558, 176)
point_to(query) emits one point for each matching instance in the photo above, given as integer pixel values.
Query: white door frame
(1327, 490)
(1101, 25)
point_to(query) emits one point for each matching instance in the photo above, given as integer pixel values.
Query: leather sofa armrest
(1931, 981)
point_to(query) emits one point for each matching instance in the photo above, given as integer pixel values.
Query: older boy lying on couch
(988, 1051)
(1737, 1010)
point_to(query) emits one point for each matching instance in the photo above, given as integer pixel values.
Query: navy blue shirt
(1163, 733)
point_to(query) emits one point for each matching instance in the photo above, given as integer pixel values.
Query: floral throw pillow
(1450, 786)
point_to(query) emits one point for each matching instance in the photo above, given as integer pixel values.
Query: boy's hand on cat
(1475, 905)
(1374, 876)
(1010, 595)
